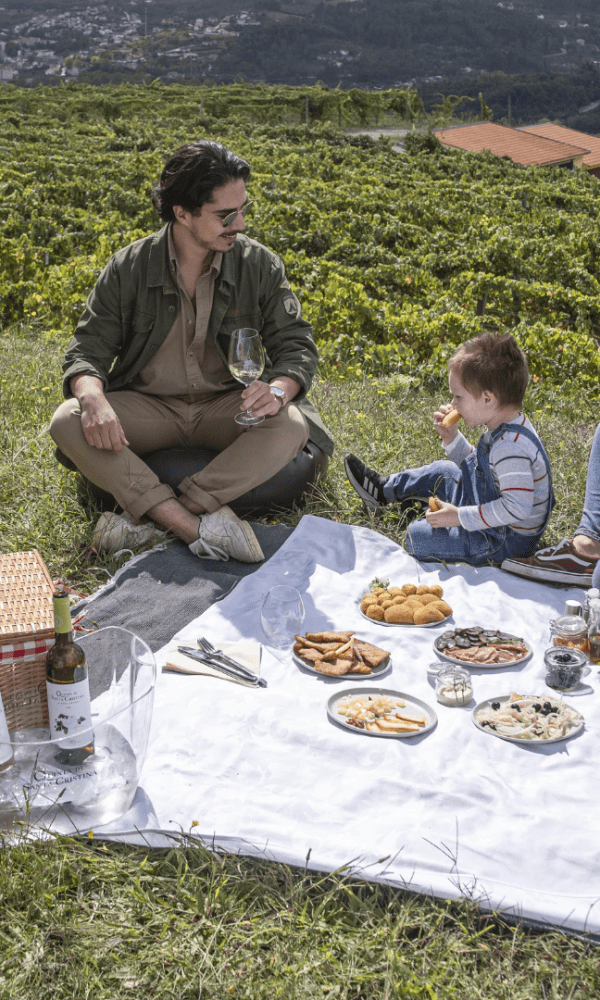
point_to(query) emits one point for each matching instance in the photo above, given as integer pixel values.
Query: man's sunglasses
(229, 219)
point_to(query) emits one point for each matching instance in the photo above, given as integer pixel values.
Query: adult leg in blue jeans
(574, 561)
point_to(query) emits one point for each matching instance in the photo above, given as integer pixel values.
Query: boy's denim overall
(471, 484)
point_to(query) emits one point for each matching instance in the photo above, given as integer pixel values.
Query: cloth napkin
(245, 650)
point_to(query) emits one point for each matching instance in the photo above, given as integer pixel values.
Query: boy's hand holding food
(446, 515)
(445, 420)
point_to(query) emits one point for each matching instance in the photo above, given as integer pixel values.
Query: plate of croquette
(406, 605)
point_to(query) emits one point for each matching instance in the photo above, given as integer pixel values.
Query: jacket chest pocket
(237, 319)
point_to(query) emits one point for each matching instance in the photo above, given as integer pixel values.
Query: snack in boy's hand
(434, 504)
(451, 418)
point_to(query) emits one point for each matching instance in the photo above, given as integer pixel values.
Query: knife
(231, 668)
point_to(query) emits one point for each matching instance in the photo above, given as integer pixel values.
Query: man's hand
(101, 425)
(445, 517)
(447, 434)
(259, 398)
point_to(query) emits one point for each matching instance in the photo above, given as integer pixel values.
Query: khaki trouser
(246, 458)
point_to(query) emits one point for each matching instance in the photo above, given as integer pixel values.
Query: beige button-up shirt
(187, 364)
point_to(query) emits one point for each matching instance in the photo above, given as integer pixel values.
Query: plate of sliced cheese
(374, 711)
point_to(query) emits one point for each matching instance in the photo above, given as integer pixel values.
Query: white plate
(375, 671)
(481, 666)
(503, 699)
(374, 621)
(412, 705)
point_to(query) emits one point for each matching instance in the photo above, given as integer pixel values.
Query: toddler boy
(494, 500)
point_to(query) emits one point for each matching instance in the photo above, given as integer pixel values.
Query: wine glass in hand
(246, 362)
(281, 616)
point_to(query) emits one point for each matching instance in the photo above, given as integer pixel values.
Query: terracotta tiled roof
(522, 147)
(562, 134)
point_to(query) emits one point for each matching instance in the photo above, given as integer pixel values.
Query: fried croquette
(442, 606)
(400, 614)
(427, 598)
(428, 614)
(375, 611)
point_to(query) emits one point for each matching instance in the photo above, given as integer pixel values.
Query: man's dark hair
(191, 175)
(495, 363)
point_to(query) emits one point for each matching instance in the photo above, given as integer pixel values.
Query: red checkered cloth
(25, 650)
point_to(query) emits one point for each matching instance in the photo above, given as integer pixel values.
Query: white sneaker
(222, 535)
(117, 531)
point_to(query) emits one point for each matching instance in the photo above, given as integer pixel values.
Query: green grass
(109, 922)
(84, 920)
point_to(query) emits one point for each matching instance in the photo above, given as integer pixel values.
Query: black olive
(516, 707)
(536, 707)
(564, 658)
(495, 705)
(547, 706)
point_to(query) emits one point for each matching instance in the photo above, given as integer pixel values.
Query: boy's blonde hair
(492, 362)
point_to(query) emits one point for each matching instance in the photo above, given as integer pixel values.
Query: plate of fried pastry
(337, 654)
(409, 604)
(373, 711)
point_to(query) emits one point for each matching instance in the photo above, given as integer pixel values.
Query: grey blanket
(155, 594)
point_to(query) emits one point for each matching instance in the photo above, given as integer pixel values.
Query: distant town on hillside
(434, 45)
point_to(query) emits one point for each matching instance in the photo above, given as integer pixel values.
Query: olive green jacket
(132, 308)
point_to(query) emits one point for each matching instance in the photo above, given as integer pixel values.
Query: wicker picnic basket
(26, 633)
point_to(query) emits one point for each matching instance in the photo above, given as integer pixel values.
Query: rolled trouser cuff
(195, 493)
(140, 505)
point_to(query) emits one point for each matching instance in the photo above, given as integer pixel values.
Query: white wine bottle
(6, 750)
(68, 689)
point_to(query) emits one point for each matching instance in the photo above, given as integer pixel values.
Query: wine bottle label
(70, 713)
(6, 750)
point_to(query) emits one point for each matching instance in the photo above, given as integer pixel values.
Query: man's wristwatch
(279, 394)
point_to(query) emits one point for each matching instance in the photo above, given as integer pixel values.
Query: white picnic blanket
(453, 813)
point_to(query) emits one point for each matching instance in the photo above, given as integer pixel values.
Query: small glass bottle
(6, 750)
(594, 631)
(570, 630)
(592, 595)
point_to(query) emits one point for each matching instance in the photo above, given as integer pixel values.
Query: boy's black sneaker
(367, 483)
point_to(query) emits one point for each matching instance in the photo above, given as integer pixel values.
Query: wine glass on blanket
(246, 361)
(281, 616)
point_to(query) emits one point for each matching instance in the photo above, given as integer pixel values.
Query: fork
(208, 647)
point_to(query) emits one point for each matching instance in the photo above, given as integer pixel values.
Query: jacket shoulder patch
(291, 305)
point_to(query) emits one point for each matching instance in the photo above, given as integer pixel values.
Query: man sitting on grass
(493, 502)
(147, 367)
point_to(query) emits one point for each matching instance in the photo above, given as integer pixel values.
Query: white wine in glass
(246, 363)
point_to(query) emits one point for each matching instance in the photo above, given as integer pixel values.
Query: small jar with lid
(453, 687)
(565, 668)
(571, 631)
